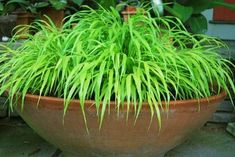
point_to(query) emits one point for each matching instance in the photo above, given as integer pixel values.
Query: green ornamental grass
(95, 55)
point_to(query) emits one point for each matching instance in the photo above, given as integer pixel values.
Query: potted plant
(7, 20)
(55, 10)
(113, 88)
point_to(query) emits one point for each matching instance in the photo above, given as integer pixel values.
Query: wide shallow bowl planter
(117, 137)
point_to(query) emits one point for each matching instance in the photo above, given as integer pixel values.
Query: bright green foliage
(105, 59)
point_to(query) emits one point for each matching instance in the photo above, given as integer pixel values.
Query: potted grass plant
(112, 88)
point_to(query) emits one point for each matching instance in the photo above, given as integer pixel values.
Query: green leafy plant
(22, 5)
(34, 6)
(69, 6)
(122, 4)
(3, 9)
(106, 4)
(105, 59)
(119, 4)
(190, 12)
(6, 7)
(62, 4)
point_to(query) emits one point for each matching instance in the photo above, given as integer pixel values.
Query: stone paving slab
(223, 117)
(231, 128)
(18, 140)
(211, 141)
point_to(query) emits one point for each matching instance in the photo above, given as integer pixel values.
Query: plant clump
(98, 56)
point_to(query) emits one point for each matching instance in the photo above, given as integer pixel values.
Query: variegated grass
(147, 59)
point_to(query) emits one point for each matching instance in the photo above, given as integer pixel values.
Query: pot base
(86, 154)
(117, 137)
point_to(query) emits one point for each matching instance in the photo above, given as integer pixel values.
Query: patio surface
(18, 140)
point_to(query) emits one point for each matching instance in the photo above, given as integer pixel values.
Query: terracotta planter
(117, 138)
(129, 11)
(23, 18)
(224, 14)
(56, 16)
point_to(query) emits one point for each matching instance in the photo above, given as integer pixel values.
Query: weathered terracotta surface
(23, 18)
(224, 14)
(117, 136)
(56, 16)
(129, 11)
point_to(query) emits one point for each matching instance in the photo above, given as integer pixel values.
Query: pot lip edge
(206, 100)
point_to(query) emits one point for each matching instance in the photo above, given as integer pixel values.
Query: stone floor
(18, 140)
(210, 141)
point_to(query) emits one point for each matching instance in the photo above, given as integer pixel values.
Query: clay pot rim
(51, 8)
(132, 10)
(23, 14)
(129, 12)
(56, 100)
